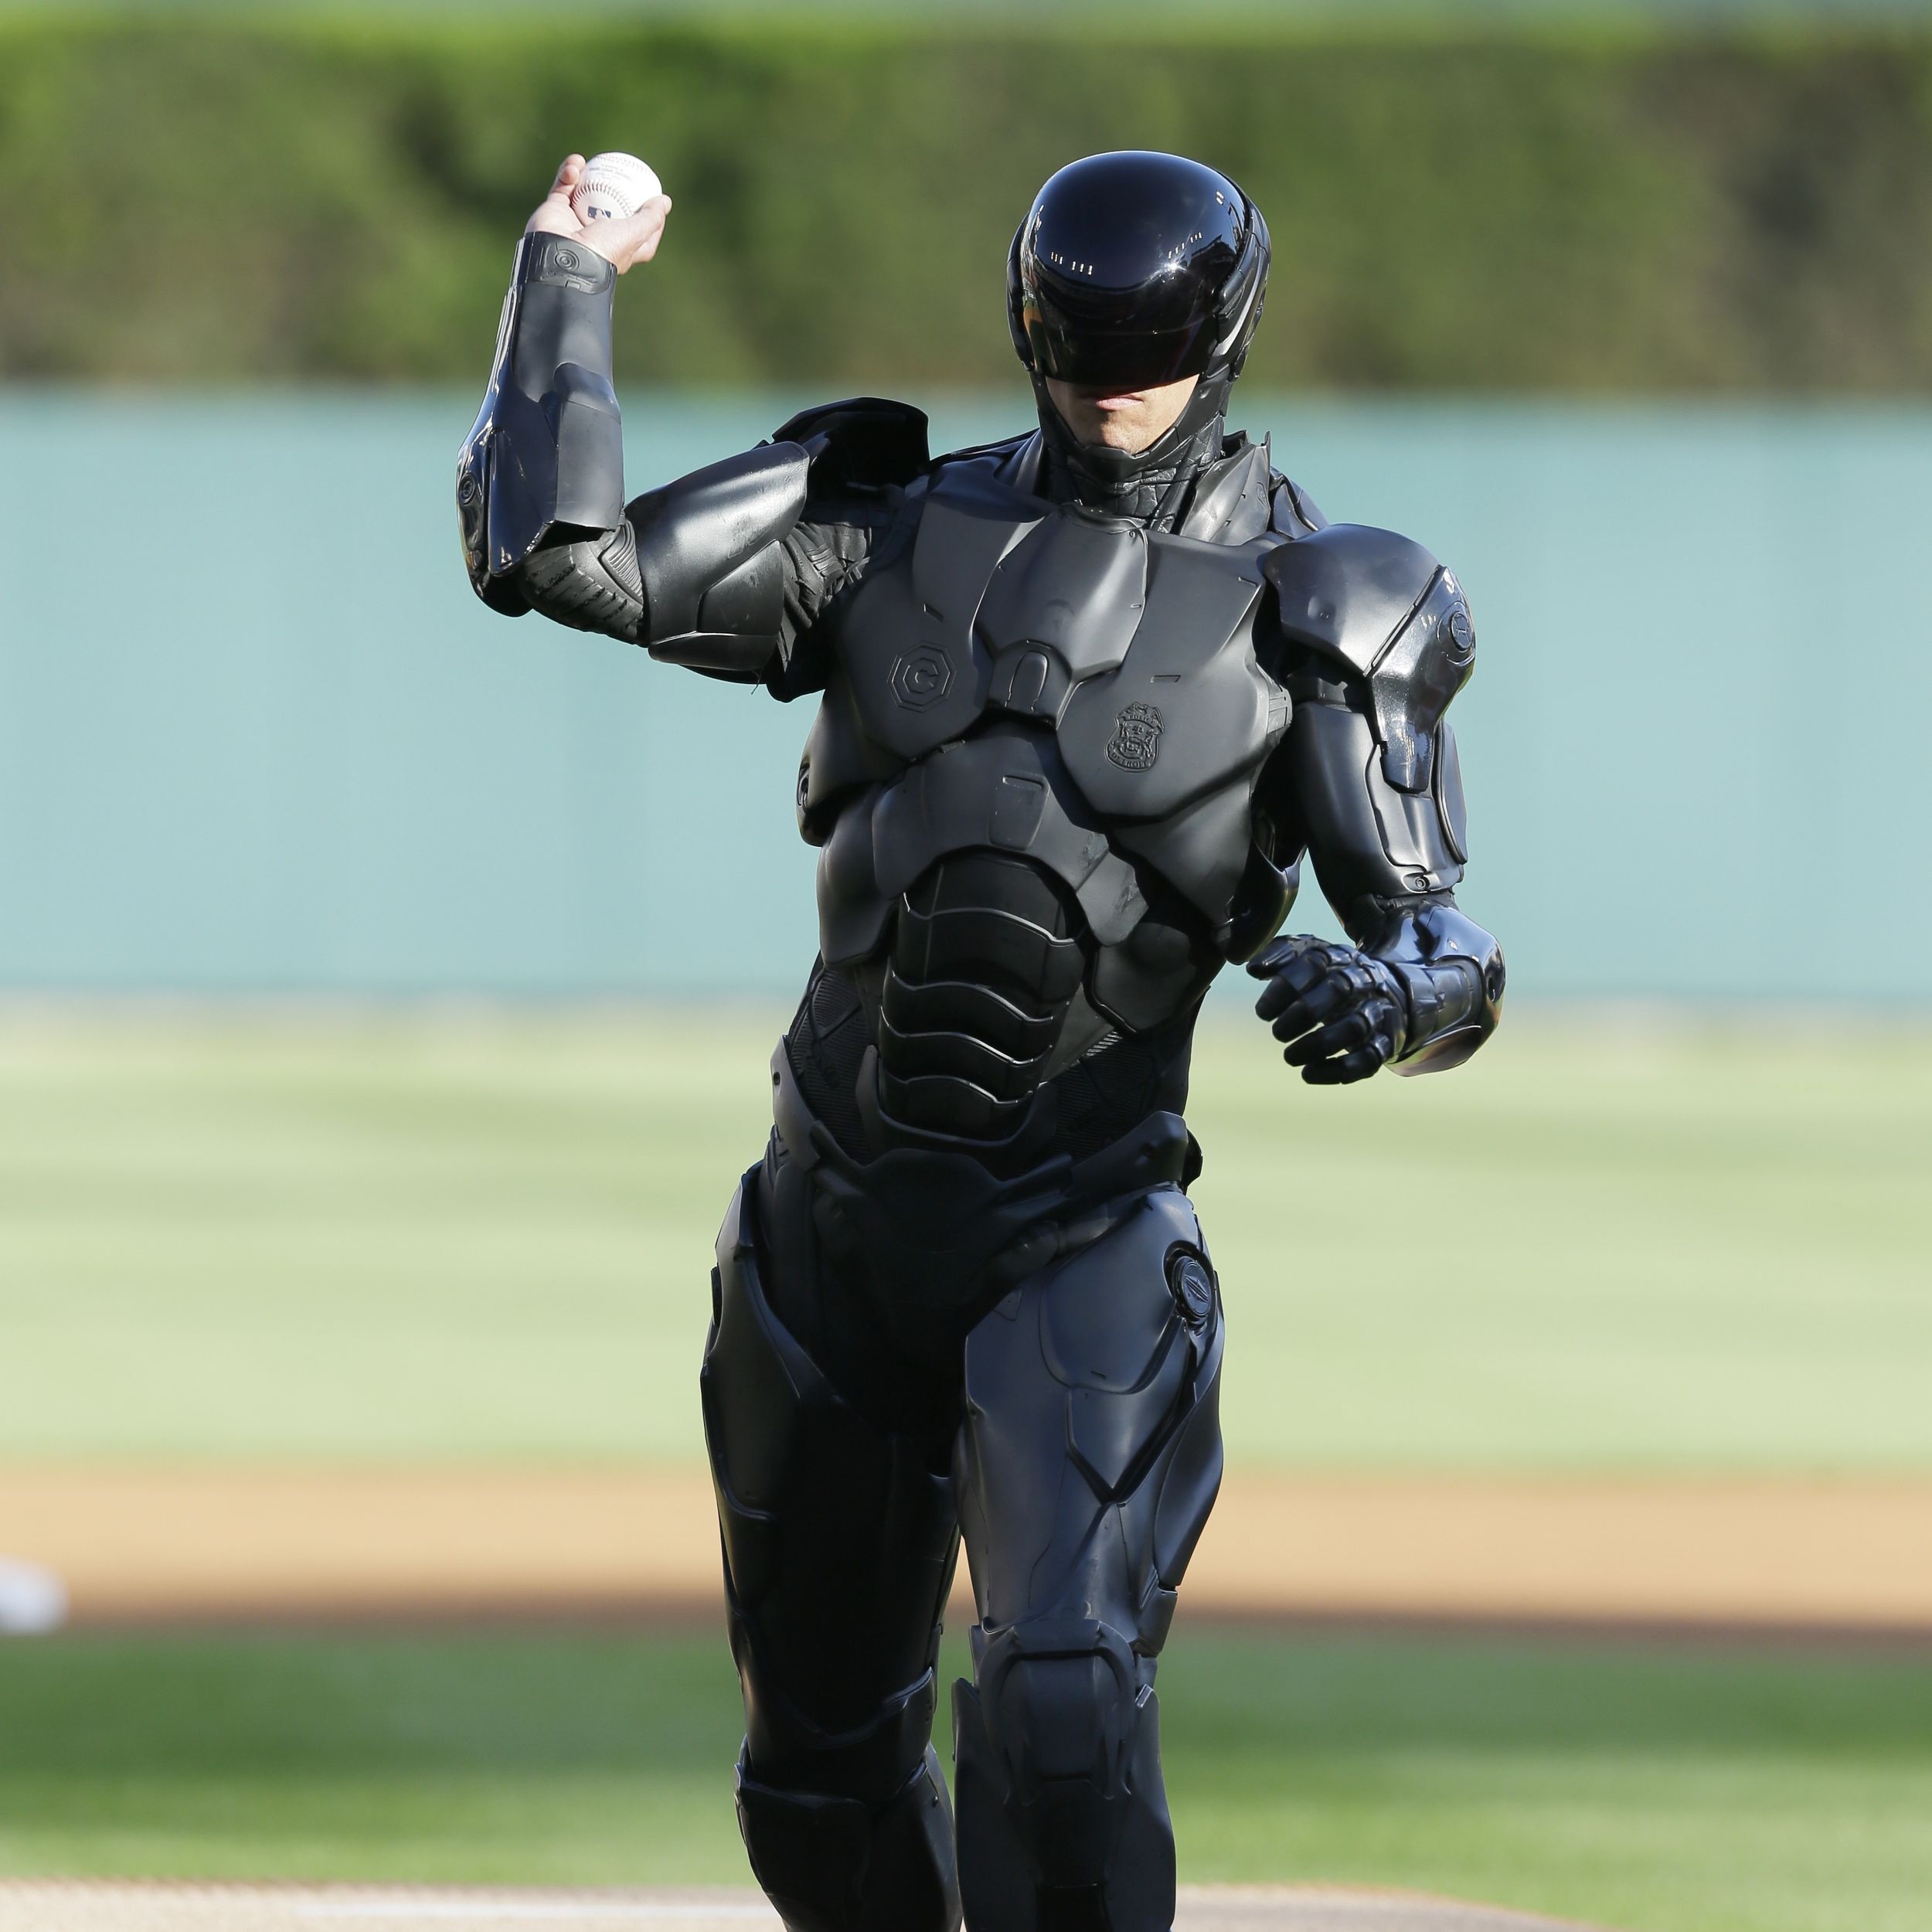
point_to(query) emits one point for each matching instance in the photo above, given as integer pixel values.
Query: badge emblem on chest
(922, 677)
(1136, 742)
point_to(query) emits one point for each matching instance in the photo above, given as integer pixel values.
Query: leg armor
(1088, 1463)
(838, 1545)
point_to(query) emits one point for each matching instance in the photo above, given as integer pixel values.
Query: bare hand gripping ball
(613, 186)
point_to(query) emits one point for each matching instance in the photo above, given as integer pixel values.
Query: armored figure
(1087, 698)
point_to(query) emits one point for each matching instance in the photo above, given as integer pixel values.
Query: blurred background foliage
(1552, 203)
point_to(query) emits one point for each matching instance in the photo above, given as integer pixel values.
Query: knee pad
(871, 1761)
(1063, 1823)
(832, 1864)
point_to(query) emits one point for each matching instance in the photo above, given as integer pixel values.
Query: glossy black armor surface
(1081, 716)
(1137, 269)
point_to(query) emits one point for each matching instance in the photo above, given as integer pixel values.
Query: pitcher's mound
(79, 1906)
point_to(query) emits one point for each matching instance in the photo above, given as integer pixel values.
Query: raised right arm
(720, 570)
(693, 571)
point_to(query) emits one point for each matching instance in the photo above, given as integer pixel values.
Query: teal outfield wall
(255, 735)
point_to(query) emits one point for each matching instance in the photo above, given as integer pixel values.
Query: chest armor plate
(1038, 678)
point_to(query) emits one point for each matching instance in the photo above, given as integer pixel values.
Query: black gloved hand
(1342, 1013)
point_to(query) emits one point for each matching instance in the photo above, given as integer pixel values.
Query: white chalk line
(529, 1911)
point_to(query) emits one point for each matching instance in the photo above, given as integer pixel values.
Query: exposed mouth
(1112, 399)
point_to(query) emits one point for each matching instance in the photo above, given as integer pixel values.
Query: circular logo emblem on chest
(1136, 742)
(922, 677)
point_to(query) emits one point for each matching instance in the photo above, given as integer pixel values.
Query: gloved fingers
(1277, 952)
(1326, 1001)
(1348, 982)
(1350, 1067)
(1297, 974)
(1278, 995)
(1352, 1029)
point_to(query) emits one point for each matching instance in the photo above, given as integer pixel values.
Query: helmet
(1137, 269)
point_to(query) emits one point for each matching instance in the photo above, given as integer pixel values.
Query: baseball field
(1622, 1264)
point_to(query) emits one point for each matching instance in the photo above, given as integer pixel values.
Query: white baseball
(613, 186)
(32, 1600)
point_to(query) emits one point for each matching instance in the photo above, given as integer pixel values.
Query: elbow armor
(695, 571)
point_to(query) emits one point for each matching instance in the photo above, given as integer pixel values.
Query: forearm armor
(1451, 972)
(694, 571)
(545, 460)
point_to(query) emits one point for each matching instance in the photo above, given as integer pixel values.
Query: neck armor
(1153, 485)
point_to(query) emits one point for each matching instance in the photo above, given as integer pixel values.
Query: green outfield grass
(1693, 1792)
(464, 1235)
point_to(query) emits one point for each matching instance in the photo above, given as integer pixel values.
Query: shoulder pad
(866, 443)
(1348, 589)
(1383, 606)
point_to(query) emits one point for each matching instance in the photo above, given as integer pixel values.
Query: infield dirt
(159, 1545)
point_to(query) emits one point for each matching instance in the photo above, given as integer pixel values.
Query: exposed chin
(1095, 425)
(1099, 429)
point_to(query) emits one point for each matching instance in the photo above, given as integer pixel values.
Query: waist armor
(1031, 780)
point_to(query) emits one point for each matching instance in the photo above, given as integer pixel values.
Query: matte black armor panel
(829, 1447)
(986, 959)
(1058, 684)
(1008, 789)
(1110, 1361)
(545, 453)
(1188, 711)
(1368, 837)
(707, 553)
(1370, 781)
(713, 571)
(838, 1548)
(865, 443)
(694, 570)
(1382, 606)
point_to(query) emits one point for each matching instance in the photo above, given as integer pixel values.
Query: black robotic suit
(1081, 715)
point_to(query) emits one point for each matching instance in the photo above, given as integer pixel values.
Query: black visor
(1121, 360)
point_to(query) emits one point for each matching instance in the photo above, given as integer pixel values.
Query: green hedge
(1620, 211)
